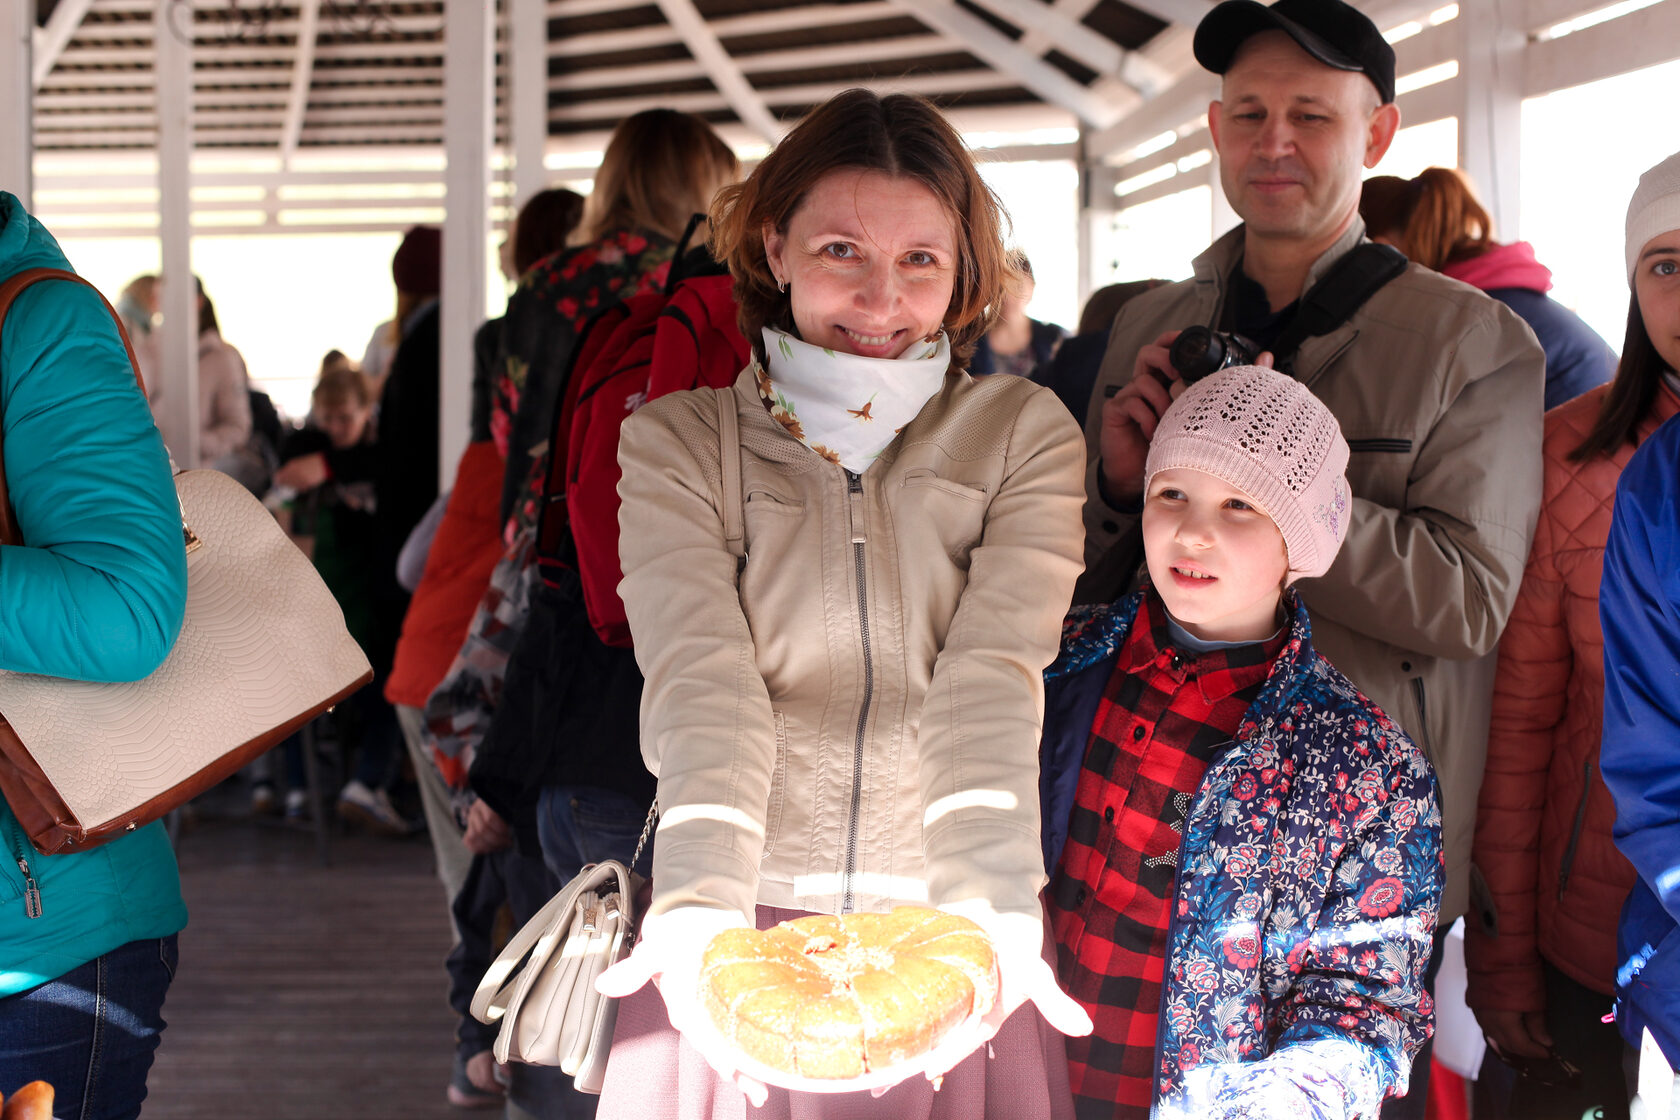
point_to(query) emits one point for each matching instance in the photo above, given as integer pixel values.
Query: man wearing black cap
(1437, 387)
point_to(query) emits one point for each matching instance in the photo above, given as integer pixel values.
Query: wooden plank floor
(306, 992)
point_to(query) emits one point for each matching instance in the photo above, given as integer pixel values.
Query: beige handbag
(550, 1012)
(263, 649)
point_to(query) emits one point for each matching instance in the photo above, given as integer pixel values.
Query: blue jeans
(578, 825)
(92, 1032)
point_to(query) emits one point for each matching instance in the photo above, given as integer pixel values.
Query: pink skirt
(653, 1074)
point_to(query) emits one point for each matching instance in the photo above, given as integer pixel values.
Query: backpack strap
(9, 291)
(1340, 292)
(729, 458)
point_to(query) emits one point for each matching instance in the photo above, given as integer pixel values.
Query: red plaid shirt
(1163, 717)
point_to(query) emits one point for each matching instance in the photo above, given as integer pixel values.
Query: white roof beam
(1035, 41)
(562, 9)
(61, 25)
(303, 73)
(795, 58)
(1631, 42)
(722, 71)
(996, 50)
(727, 27)
(1069, 36)
(707, 101)
(1187, 12)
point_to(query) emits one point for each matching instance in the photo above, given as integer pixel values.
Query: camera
(1199, 351)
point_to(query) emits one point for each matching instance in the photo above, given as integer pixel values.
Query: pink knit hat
(1267, 435)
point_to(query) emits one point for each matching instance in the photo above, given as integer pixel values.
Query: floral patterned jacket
(1309, 883)
(545, 315)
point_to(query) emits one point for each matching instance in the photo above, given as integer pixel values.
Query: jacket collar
(1096, 634)
(1216, 262)
(1213, 269)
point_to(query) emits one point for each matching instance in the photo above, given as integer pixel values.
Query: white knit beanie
(1654, 209)
(1267, 435)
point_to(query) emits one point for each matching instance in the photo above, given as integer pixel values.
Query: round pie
(828, 997)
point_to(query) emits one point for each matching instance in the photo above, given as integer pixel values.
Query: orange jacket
(466, 547)
(1543, 823)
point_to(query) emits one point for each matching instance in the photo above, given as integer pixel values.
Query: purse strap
(9, 291)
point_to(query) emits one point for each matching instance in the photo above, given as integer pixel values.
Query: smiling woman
(801, 709)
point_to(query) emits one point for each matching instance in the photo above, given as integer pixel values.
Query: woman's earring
(781, 286)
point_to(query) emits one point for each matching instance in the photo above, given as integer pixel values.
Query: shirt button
(1137, 733)
(1108, 814)
(1079, 898)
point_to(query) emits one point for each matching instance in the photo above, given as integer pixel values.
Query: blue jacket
(1308, 887)
(97, 593)
(1639, 606)
(1577, 358)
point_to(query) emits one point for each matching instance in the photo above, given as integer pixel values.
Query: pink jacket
(1543, 823)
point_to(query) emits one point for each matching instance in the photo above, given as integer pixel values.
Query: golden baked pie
(836, 997)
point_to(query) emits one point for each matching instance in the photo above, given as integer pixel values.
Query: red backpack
(685, 337)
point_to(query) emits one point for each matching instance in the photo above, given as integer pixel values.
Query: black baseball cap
(1335, 33)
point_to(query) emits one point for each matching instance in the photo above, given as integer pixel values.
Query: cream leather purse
(550, 1012)
(263, 649)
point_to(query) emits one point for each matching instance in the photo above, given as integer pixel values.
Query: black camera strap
(1340, 292)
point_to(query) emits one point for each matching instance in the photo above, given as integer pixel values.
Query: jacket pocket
(1421, 699)
(778, 784)
(1575, 828)
(1395, 446)
(941, 513)
(973, 491)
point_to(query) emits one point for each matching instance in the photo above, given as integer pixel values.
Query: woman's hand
(1023, 974)
(669, 954)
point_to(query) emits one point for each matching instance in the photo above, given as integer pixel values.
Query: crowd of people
(1214, 692)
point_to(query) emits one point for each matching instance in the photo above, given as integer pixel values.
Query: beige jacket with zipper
(1439, 390)
(856, 724)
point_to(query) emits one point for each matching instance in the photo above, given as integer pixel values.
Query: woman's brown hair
(900, 135)
(659, 169)
(1632, 392)
(544, 222)
(1434, 219)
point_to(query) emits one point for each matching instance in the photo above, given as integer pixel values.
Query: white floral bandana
(847, 407)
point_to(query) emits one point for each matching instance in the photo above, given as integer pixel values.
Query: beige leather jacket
(856, 724)
(1439, 390)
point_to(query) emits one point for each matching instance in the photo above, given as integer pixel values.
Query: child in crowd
(339, 517)
(1225, 816)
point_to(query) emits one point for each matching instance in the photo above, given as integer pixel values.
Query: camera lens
(1197, 352)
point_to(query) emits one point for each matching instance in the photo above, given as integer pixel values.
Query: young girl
(1245, 851)
(1543, 977)
(1639, 606)
(849, 722)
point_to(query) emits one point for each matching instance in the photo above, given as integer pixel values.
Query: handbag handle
(9, 291)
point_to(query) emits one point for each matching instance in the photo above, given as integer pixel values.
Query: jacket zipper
(854, 490)
(1423, 720)
(1575, 831)
(31, 890)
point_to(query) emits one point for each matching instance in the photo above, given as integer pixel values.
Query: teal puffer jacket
(97, 594)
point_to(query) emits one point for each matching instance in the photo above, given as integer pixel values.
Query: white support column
(469, 104)
(1490, 74)
(178, 359)
(527, 95)
(17, 103)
